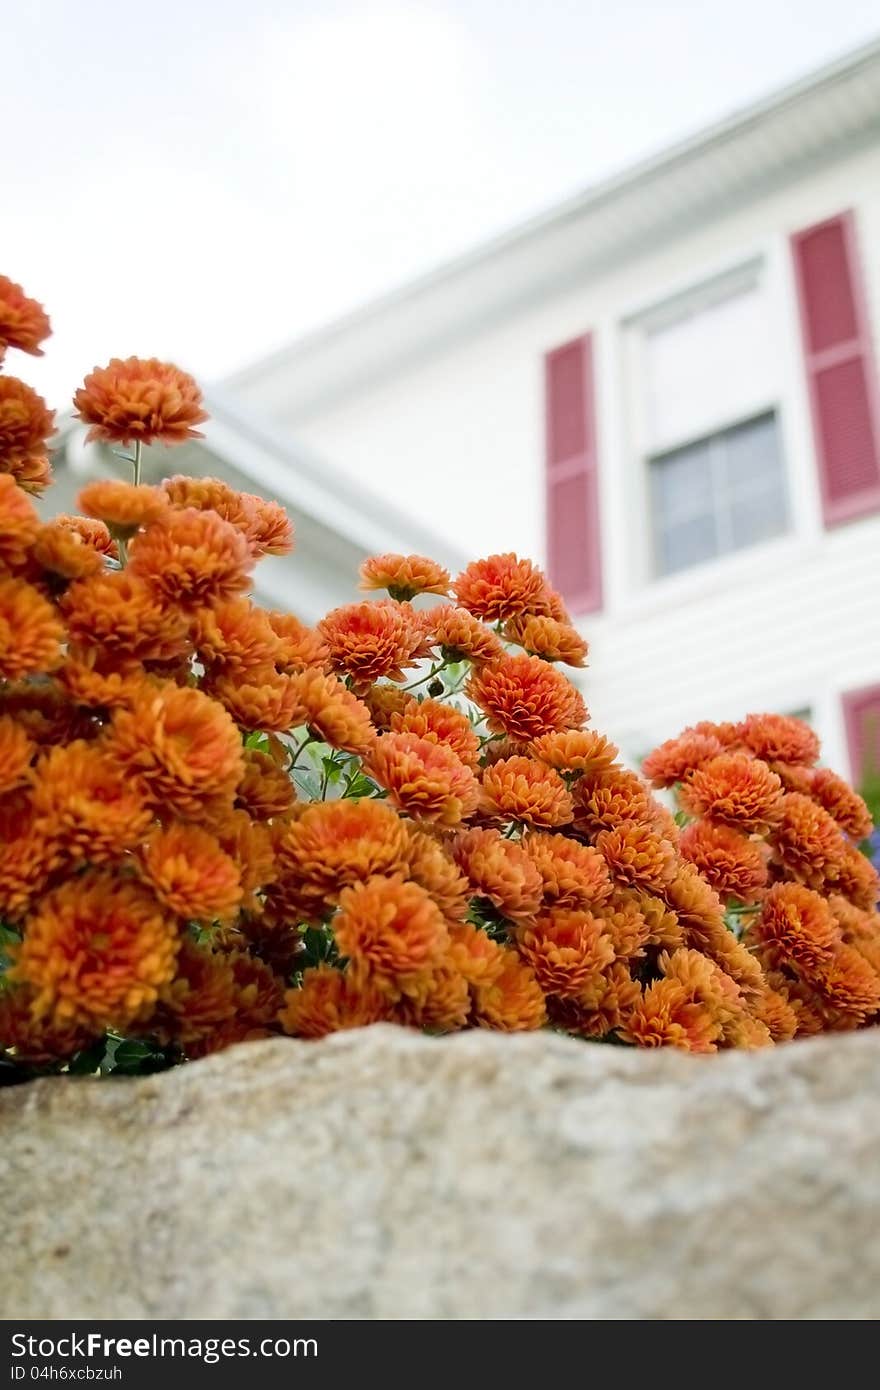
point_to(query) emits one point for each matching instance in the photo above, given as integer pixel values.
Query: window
(709, 431)
(722, 493)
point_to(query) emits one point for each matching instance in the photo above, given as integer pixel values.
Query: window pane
(682, 484)
(686, 543)
(752, 452)
(756, 518)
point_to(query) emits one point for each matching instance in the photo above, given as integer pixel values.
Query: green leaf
(89, 1060)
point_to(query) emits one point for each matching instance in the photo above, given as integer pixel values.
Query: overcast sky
(208, 179)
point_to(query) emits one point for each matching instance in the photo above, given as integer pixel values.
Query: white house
(666, 390)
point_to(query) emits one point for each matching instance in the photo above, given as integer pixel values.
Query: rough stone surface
(381, 1174)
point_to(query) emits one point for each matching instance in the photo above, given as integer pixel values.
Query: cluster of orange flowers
(218, 823)
(777, 838)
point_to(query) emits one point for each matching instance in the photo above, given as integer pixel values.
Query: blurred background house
(665, 390)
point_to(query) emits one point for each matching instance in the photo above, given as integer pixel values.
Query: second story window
(710, 439)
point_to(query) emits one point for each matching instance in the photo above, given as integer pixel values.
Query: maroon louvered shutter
(861, 712)
(840, 368)
(574, 559)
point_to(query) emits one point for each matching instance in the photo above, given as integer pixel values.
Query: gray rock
(382, 1174)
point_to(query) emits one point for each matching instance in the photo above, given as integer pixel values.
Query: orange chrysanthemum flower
(19, 524)
(335, 843)
(392, 930)
(181, 747)
(140, 400)
(234, 636)
(429, 865)
(23, 322)
(16, 754)
(298, 647)
(732, 863)
(85, 802)
(513, 1002)
(626, 924)
(425, 780)
(329, 1001)
(123, 507)
(779, 738)
(44, 710)
(807, 841)
(190, 873)
(271, 530)
(522, 789)
(265, 790)
(383, 702)
(662, 927)
(368, 641)
(575, 750)
(34, 1041)
(547, 638)
(30, 631)
(695, 902)
(460, 636)
(404, 576)
(796, 927)
(98, 680)
(665, 1016)
(472, 952)
(199, 999)
(118, 611)
(736, 790)
(192, 558)
(636, 855)
(848, 982)
(567, 948)
(500, 587)
(841, 802)
(96, 952)
(773, 1009)
(439, 723)
(674, 759)
(249, 843)
(601, 1007)
(858, 880)
(332, 713)
(64, 552)
(260, 699)
(441, 1004)
(605, 798)
(501, 872)
(26, 423)
(572, 875)
(29, 855)
(525, 697)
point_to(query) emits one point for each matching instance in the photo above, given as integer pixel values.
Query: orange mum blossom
(477, 957)
(29, 857)
(271, 530)
(567, 949)
(842, 803)
(607, 796)
(198, 999)
(524, 697)
(17, 751)
(460, 636)
(123, 614)
(858, 880)
(335, 843)
(383, 701)
(548, 638)
(26, 424)
(179, 745)
(665, 1016)
(736, 790)
(500, 872)
(441, 1005)
(257, 996)
(332, 713)
(234, 636)
(140, 401)
(572, 874)
(575, 751)
(795, 928)
(190, 873)
(427, 781)
(96, 952)
(429, 865)
(260, 698)
(83, 800)
(637, 856)
(390, 930)
(439, 723)
(779, 738)
(369, 641)
(626, 924)
(526, 791)
(807, 842)
(36, 1042)
(404, 576)
(24, 323)
(97, 680)
(65, 554)
(513, 1002)
(734, 864)
(500, 587)
(192, 558)
(298, 647)
(670, 762)
(19, 524)
(123, 507)
(30, 631)
(330, 1000)
(265, 791)
(662, 927)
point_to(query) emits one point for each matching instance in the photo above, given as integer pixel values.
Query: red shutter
(574, 560)
(840, 367)
(861, 712)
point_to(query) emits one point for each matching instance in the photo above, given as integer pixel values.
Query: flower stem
(423, 680)
(136, 461)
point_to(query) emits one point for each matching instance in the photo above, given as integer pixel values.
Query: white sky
(208, 179)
